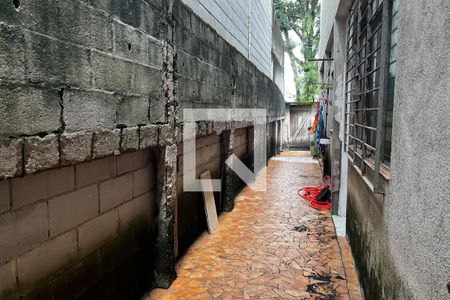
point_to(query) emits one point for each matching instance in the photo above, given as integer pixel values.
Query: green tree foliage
(301, 17)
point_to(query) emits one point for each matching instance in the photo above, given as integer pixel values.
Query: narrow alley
(272, 245)
(133, 131)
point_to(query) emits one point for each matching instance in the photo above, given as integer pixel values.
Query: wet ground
(271, 246)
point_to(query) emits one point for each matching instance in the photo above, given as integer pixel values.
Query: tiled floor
(272, 246)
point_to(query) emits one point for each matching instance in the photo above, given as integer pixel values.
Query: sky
(289, 83)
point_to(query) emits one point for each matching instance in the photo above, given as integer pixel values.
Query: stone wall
(88, 90)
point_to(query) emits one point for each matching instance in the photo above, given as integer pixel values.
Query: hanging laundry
(314, 125)
(319, 129)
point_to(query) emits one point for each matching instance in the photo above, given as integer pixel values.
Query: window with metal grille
(391, 86)
(370, 76)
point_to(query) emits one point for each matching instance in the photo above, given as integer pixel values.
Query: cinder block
(188, 67)
(208, 153)
(144, 180)
(148, 136)
(112, 73)
(8, 278)
(98, 231)
(55, 62)
(136, 210)
(75, 147)
(45, 259)
(130, 139)
(219, 126)
(4, 196)
(135, 45)
(94, 171)
(116, 74)
(72, 209)
(137, 14)
(188, 92)
(187, 41)
(152, 205)
(240, 124)
(70, 20)
(116, 191)
(206, 141)
(12, 57)
(204, 128)
(22, 230)
(130, 162)
(158, 113)
(183, 16)
(178, 134)
(31, 188)
(27, 110)
(144, 75)
(11, 158)
(158, 4)
(133, 110)
(166, 135)
(106, 143)
(78, 23)
(41, 153)
(89, 110)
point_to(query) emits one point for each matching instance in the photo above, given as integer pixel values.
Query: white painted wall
(245, 24)
(327, 16)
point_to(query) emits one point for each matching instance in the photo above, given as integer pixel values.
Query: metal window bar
(350, 91)
(369, 91)
(350, 84)
(370, 73)
(376, 13)
(370, 17)
(369, 109)
(364, 33)
(366, 127)
(384, 76)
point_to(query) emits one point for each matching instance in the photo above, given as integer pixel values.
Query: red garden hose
(309, 193)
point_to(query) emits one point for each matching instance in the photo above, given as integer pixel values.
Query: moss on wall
(367, 236)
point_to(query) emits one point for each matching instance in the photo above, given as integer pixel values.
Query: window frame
(364, 96)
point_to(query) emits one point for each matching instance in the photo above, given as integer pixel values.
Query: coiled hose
(310, 193)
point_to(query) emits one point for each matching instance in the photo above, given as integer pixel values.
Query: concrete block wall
(78, 96)
(211, 73)
(241, 144)
(51, 222)
(191, 219)
(212, 149)
(277, 54)
(87, 87)
(260, 44)
(246, 25)
(77, 88)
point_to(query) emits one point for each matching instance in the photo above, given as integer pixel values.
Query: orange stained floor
(271, 246)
